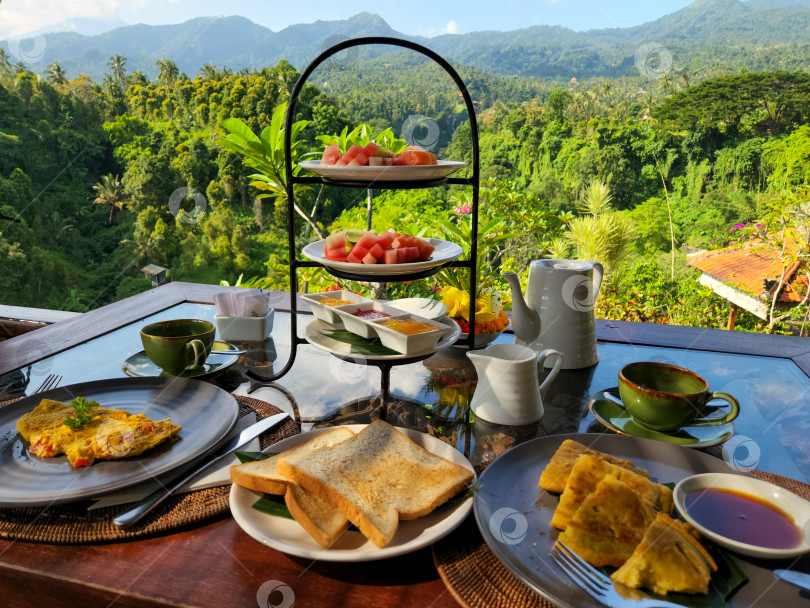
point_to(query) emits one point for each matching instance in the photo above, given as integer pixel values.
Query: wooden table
(217, 564)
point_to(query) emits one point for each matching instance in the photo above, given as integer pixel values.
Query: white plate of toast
(407, 472)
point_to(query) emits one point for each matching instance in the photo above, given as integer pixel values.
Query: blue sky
(415, 17)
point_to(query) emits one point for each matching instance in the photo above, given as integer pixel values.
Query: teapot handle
(598, 273)
(541, 359)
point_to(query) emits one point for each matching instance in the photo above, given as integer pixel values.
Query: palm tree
(209, 71)
(5, 63)
(117, 63)
(600, 233)
(56, 73)
(110, 191)
(168, 70)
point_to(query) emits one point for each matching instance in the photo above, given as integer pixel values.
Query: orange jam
(334, 301)
(408, 326)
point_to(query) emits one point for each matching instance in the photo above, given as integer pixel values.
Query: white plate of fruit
(372, 162)
(391, 253)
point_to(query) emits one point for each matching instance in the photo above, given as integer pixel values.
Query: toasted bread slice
(377, 478)
(263, 476)
(322, 521)
(555, 475)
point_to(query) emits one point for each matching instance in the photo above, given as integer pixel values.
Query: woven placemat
(478, 579)
(74, 524)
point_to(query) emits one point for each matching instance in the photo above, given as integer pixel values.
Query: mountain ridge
(541, 50)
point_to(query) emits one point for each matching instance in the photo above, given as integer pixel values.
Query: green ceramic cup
(665, 397)
(178, 345)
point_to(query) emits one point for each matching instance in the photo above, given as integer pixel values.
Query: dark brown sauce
(742, 517)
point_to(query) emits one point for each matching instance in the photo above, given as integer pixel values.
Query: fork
(596, 584)
(51, 381)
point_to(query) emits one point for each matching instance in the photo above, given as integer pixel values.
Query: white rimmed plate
(444, 251)
(287, 536)
(443, 168)
(317, 336)
(424, 307)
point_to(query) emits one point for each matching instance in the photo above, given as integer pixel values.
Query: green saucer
(613, 416)
(139, 365)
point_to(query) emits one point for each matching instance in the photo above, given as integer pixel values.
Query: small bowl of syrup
(745, 514)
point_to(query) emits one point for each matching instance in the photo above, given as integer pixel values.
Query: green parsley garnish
(81, 407)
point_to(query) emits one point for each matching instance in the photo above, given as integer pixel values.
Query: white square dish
(244, 329)
(408, 344)
(360, 326)
(325, 312)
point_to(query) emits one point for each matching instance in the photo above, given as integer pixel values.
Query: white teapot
(558, 309)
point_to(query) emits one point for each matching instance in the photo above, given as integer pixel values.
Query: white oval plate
(384, 174)
(795, 506)
(289, 537)
(444, 251)
(315, 333)
(424, 307)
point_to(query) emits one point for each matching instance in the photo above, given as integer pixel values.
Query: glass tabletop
(433, 395)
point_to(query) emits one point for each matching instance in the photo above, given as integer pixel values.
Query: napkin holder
(244, 329)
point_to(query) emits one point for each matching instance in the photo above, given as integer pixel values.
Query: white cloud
(19, 17)
(451, 27)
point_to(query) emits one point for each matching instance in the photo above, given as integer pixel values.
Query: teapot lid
(563, 264)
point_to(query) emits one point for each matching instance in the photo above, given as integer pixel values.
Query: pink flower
(759, 225)
(463, 210)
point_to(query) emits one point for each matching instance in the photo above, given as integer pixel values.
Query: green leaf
(360, 345)
(83, 410)
(272, 505)
(253, 456)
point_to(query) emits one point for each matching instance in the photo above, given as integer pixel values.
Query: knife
(800, 579)
(131, 516)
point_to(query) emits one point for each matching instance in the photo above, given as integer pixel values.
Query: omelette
(107, 435)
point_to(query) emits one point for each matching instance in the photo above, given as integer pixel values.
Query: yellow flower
(457, 301)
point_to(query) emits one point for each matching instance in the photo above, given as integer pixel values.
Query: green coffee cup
(178, 345)
(665, 397)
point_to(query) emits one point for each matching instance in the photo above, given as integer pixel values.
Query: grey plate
(206, 412)
(510, 494)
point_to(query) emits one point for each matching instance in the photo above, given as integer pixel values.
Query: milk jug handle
(541, 359)
(598, 272)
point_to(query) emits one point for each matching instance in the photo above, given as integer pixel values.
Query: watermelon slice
(353, 259)
(377, 251)
(402, 255)
(375, 161)
(368, 240)
(411, 254)
(362, 158)
(332, 256)
(359, 251)
(369, 259)
(371, 149)
(336, 241)
(391, 255)
(351, 153)
(331, 154)
(386, 238)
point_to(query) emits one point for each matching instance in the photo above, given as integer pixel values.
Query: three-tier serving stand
(291, 180)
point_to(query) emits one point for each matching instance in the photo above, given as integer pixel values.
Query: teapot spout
(525, 321)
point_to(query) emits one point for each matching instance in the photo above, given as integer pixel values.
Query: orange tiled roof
(747, 267)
